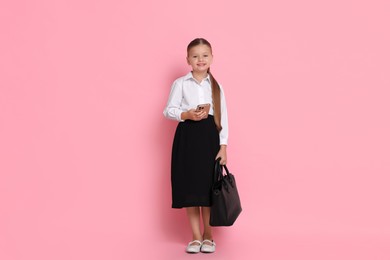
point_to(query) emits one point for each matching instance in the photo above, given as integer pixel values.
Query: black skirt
(195, 146)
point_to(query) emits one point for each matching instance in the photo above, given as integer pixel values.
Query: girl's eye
(194, 56)
(205, 55)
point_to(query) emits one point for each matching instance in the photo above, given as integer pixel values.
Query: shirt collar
(189, 76)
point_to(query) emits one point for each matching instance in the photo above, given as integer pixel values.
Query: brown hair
(215, 89)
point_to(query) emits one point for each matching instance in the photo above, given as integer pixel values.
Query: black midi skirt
(195, 146)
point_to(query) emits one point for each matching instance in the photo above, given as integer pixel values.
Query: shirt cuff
(223, 141)
(178, 117)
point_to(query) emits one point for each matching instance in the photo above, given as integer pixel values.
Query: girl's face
(200, 58)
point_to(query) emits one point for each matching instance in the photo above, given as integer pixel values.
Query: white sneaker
(194, 247)
(209, 247)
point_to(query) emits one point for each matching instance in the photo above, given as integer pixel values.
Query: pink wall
(85, 150)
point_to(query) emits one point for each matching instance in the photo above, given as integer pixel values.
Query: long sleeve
(223, 135)
(173, 108)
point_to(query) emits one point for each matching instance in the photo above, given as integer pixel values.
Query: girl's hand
(194, 115)
(222, 154)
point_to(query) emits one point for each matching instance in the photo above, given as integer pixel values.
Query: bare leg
(207, 234)
(193, 214)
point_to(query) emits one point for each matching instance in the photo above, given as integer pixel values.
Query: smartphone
(203, 107)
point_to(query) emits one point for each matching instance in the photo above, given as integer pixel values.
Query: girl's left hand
(222, 154)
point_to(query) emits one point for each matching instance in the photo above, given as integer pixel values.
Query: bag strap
(218, 170)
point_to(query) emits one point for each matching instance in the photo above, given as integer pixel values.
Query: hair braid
(216, 94)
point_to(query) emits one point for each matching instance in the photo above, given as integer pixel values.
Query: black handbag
(225, 201)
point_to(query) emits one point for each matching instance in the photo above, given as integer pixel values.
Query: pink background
(85, 149)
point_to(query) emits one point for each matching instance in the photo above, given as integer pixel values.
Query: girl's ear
(188, 61)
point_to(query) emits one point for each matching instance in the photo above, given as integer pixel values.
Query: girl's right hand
(194, 115)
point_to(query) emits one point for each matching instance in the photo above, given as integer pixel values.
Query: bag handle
(218, 171)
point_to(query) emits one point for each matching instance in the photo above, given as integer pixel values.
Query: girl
(199, 140)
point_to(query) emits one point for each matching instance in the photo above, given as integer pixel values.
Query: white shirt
(187, 93)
